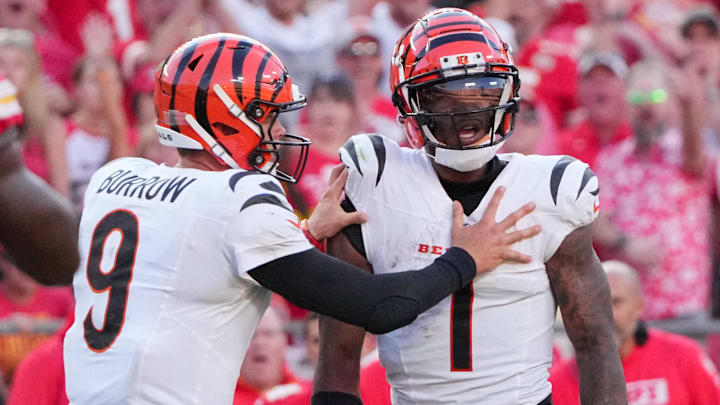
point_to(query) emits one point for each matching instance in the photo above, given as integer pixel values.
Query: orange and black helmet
(219, 92)
(452, 50)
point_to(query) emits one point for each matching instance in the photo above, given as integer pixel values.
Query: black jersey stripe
(352, 151)
(201, 95)
(270, 186)
(379, 146)
(264, 199)
(461, 329)
(556, 176)
(239, 176)
(587, 176)
(184, 60)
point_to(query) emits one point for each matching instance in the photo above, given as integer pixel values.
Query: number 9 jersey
(490, 343)
(164, 307)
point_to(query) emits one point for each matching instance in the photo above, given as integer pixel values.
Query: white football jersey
(490, 343)
(164, 308)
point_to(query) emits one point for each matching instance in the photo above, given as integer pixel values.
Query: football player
(178, 263)
(39, 229)
(456, 90)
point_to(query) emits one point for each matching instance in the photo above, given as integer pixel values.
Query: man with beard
(456, 90)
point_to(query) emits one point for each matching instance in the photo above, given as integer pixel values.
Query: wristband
(320, 245)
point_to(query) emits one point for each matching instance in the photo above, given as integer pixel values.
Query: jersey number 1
(461, 329)
(116, 280)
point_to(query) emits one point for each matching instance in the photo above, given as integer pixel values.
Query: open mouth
(471, 134)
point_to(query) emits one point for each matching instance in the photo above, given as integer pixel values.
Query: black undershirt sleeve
(353, 232)
(379, 303)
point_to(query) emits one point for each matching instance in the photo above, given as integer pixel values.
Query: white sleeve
(265, 229)
(575, 192)
(365, 157)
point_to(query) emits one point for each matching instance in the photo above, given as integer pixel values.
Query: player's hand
(329, 218)
(488, 241)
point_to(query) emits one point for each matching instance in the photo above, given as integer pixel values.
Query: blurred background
(631, 87)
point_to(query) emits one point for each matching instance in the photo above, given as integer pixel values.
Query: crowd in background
(631, 87)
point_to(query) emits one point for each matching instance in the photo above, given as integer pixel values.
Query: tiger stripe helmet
(215, 91)
(452, 47)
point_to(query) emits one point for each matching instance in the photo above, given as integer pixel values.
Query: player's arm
(323, 284)
(337, 375)
(382, 303)
(39, 229)
(582, 293)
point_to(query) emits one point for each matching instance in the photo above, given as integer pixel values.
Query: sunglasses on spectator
(365, 48)
(657, 96)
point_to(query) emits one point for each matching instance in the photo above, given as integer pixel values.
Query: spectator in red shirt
(660, 367)
(601, 93)
(658, 187)
(264, 375)
(40, 378)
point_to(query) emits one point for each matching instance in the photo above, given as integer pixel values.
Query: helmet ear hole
(254, 111)
(256, 158)
(224, 128)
